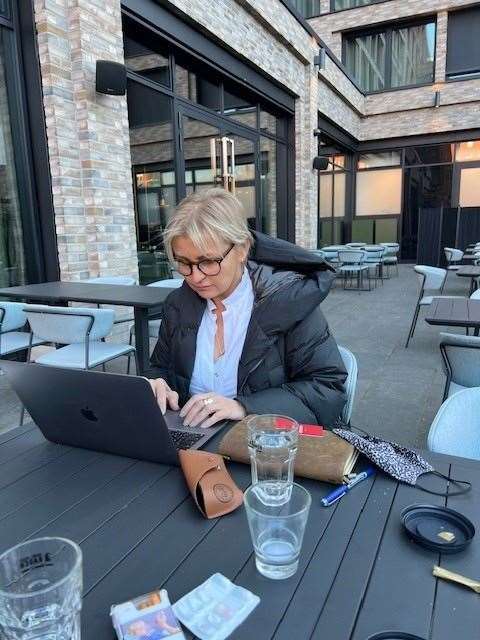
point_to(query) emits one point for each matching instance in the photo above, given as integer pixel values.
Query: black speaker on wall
(111, 78)
(320, 163)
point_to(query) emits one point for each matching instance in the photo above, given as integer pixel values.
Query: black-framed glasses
(210, 267)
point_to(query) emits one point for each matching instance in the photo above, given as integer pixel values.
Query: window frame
(388, 29)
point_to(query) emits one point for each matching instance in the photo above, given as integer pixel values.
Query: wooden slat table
(146, 301)
(139, 530)
(455, 312)
(471, 272)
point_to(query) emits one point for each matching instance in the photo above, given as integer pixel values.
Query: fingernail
(185, 424)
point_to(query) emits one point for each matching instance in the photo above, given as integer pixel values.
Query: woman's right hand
(164, 395)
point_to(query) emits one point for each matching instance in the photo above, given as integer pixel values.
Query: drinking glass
(277, 529)
(272, 444)
(41, 590)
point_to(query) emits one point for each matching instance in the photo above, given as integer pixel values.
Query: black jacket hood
(292, 280)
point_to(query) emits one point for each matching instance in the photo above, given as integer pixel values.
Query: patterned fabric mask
(401, 463)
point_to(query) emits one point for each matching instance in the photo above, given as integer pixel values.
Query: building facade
(242, 93)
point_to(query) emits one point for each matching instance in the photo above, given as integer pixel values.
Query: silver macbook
(107, 412)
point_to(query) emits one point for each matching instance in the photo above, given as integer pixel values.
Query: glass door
(214, 154)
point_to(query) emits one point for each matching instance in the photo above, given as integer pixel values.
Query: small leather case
(212, 487)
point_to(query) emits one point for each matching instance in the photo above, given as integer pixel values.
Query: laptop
(107, 412)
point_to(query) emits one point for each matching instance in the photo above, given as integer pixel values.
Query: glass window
(463, 43)
(469, 191)
(379, 193)
(268, 122)
(365, 59)
(307, 8)
(192, 84)
(268, 185)
(151, 148)
(468, 151)
(430, 154)
(325, 195)
(239, 108)
(144, 54)
(363, 231)
(386, 230)
(395, 57)
(12, 253)
(382, 159)
(413, 53)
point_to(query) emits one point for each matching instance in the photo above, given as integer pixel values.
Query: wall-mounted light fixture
(319, 61)
(437, 99)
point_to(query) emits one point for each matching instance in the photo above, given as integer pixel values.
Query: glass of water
(277, 529)
(41, 590)
(272, 444)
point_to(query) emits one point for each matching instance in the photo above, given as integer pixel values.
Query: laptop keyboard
(183, 439)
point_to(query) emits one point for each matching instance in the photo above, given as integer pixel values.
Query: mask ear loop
(448, 494)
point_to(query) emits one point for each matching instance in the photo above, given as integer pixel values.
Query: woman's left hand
(206, 409)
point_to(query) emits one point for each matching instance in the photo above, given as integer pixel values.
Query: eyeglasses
(210, 267)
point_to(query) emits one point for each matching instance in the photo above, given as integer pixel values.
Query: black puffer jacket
(290, 362)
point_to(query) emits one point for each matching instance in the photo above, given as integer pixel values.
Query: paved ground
(399, 390)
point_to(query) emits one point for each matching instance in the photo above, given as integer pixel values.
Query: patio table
(139, 530)
(471, 272)
(146, 301)
(455, 312)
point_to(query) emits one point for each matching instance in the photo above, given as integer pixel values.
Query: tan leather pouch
(212, 487)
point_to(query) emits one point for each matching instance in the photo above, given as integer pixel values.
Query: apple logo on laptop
(89, 414)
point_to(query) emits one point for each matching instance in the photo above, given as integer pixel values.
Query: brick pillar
(441, 48)
(87, 138)
(306, 120)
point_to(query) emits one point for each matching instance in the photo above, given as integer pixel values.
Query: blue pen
(341, 491)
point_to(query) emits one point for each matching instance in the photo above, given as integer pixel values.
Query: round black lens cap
(437, 528)
(394, 635)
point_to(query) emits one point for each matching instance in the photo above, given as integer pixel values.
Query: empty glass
(277, 530)
(41, 590)
(272, 444)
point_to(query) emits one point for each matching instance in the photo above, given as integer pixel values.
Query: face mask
(401, 463)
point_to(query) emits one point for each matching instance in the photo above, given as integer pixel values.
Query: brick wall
(329, 26)
(400, 112)
(87, 138)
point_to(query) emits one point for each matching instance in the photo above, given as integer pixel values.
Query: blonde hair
(205, 217)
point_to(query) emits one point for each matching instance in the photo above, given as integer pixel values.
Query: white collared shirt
(221, 375)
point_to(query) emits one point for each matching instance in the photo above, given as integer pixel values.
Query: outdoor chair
(330, 253)
(390, 257)
(352, 264)
(461, 359)
(12, 319)
(455, 429)
(431, 279)
(351, 366)
(453, 257)
(81, 330)
(154, 325)
(356, 245)
(374, 259)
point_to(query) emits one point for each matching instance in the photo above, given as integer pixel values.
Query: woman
(245, 333)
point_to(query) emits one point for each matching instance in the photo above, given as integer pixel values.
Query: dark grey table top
(139, 530)
(454, 312)
(469, 272)
(128, 295)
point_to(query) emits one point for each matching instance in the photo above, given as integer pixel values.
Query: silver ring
(207, 401)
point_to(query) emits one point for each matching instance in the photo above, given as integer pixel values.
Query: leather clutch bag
(212, 487)
(323, 457)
